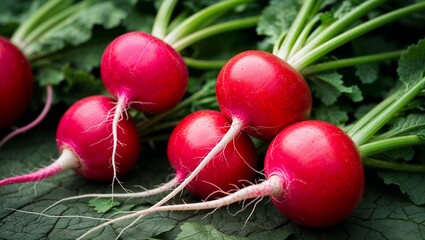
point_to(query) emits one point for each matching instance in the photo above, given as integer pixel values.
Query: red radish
(189, 142)
(142, 71)
(262, 92)
(320, 170)
(193, 138)
(84, 140)
(314, 176)
(262, 95)
(16, 83)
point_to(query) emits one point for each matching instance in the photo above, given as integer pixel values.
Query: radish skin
(193, 138)
(144, 72)
(321, 172)
(16, 85)
(84, 139)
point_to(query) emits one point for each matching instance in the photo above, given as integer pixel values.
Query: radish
(193, 138)
(84, 140)
(189, 142)
(16, 84)
(142, 71)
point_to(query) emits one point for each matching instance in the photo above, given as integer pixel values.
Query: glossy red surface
(86, 129)
(194, 137)
(321, 170)
(264, 92)
(16, 83)
(145, 71)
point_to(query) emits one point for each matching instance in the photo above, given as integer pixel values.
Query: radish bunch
(314, 171)
(265, 95)
(147, 73)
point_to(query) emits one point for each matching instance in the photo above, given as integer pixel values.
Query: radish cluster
(139, 70)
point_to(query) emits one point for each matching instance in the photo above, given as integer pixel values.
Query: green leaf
(412, 184)
(328, 86)
(79, 84)
(14, 12)
(102, 205)
(191, 230)
(412, 124)
(79, 29)
(411, 66)
(332, 114)
(276, 18)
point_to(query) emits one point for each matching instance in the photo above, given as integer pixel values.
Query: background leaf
(412, 184)
(411, 66)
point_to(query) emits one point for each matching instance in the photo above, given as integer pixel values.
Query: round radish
(189, 142)
(142, 71)
(193, 138)
(84, 140)
(314, 176)
(320, 171)
(16, 83)
(261, 95)
(263, 92)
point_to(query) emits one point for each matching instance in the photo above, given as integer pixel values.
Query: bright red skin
(85, 129)
(321, 172)
(263, 91)
(194, 137)
(145, 70)
(16, 83)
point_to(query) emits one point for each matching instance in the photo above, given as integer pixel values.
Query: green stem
(301, 39)
(375, 147)
(337, 27)
(162, 18)
(45, 12)
(296, 28)
(204, 64)
(376, 163)
(368, 130)
(198, 19)
(348, 62)
(207, 89)
(52, 25)
(214, 30)
(373, 113)
(320, 51)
